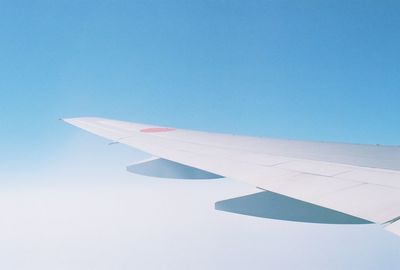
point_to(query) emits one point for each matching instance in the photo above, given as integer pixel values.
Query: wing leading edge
(358, 180)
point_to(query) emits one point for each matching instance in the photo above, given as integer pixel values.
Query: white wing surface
(359, 180)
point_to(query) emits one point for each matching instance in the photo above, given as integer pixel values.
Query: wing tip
(75, 119)
(68, 120)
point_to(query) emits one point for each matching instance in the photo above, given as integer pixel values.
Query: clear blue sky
(324, 70)
(315, 70)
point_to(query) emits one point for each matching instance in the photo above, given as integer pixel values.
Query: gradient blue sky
(318, 70)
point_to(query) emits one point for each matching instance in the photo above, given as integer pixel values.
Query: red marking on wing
(156, 129)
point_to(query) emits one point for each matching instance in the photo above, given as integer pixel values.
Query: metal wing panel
(346, 178)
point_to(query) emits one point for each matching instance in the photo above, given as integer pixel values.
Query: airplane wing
(360, 180)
